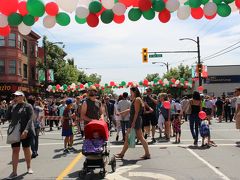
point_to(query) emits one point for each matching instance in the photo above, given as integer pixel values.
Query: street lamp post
(45, 59)
(199, 57)
(166, 64)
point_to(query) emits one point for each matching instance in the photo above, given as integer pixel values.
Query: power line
(221, 53)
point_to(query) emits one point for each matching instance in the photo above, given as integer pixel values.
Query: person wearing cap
(67, 122)
(91, 108)
(21, 112)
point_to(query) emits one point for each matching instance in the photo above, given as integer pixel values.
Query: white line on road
(219, 173)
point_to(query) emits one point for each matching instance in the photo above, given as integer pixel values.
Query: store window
(2, 41)
(12, 40)
(2, 66)
(24, 49)
(25, 71)
(12, 67)
(20, 68)
(19, 42)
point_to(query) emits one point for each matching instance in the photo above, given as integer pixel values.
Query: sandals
(146, 157)
(118, 156)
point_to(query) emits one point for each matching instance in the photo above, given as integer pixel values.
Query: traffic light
(145, 55)
(200, 68)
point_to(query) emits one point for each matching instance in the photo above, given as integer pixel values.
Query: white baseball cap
(19, 93)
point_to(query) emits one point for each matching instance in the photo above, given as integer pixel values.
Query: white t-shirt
(117, 117)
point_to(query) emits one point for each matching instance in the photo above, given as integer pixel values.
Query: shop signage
(223, 79)
(12, 88)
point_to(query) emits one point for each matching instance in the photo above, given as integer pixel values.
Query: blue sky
(114, 51)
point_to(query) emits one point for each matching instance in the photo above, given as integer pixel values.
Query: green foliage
(151, 77)
(179, 72)
(65, 72)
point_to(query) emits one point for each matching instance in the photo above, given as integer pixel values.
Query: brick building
(18, 57)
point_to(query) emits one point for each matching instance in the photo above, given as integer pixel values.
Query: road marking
(221, 175)
(117, 175)
(67, 170)
(150, 175)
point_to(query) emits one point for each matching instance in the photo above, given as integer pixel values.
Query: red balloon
(36, 19)
(237, 3)
(144, 5)
(167, 105)
(119, 19)
(173, 80)
(145, 82)
(97, 85)
(22, 8)
(100, 12)
(160, 81)
(5, 31)
(197, 13)
(127, 2)
(210, 17)
(200, 88)
(164, 16)
(8, 7)
(202, 115)
(81, 86)
(58, 86)
(52, 9)
(112, 83)
(92, 20)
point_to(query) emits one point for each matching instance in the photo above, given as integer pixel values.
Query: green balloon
(217, 1)
(228, 1)
(29, 20)
(134, 14)
(36, 8)
(107, 16)
(194, 3)
(95, 7)
(63, 19)
(80, 20)
(204, 1)
(223, 10)
(149, 15)
(14, 19)
(123, 83)
(158, 5)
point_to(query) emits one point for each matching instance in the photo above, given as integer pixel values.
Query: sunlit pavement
(168, 160)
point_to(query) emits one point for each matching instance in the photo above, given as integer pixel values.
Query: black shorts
(25, 143)
(150, 120)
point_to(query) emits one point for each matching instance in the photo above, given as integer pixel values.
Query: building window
(25, 71)
(2, 41)
(2, 66)
(24, 49)
(12, 67)
(33, 73)
(32, 50)
(19, 42)
(20, 68)
(12, 40)
(36, 50)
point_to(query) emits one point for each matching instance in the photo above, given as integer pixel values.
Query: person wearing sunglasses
(91, 108)
(21, 112)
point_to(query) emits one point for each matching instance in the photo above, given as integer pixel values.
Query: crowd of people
(146, 113)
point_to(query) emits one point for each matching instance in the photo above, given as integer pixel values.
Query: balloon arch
(25, 14)
(173, 83)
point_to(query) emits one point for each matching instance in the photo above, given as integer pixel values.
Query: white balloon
(119, 9)
(49, 21)
(210, 9)
(67, 5)
(84, 2)
(24, 29)
(233, 7)
(3, 20)
(108, 4)
(183, 12)
(172, 5)
(82, 12)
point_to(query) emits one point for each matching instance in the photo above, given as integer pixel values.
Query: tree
(179, 72)
(94, 78)
(151, 77)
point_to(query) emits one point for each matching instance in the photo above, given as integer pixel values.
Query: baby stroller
(96, 149)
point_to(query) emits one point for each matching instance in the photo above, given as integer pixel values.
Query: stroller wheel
(82, 173)
(113, 164)
(102, 174)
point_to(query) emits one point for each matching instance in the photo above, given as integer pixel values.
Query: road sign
(155, 55)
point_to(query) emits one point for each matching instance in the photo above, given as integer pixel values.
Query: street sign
(155, 55)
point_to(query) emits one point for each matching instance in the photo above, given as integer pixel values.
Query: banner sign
(41, 75)
(223, 79)
(50, 75)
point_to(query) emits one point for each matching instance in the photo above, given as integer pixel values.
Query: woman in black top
(194, 120)
(136, 111)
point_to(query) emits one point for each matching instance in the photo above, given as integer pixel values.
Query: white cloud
(114, 51)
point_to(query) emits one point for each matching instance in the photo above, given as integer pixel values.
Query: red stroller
(96, 157)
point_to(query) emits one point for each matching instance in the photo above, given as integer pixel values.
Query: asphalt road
(168, 161)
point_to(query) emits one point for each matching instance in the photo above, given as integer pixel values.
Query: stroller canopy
(99, 126)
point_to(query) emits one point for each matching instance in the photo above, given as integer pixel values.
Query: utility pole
(199, 62)
(166, 64)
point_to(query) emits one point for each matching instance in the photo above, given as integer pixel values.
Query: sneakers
(153, 140)
(12, 176)
(72, 149)
(65, 151)
(30, 171)
(117, 137)
(145, 136)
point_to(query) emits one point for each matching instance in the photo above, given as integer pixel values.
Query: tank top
(195, 109)
(132, 112)
(93, 109)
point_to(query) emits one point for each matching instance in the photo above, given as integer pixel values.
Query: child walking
(205, 132)
(177, 127)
